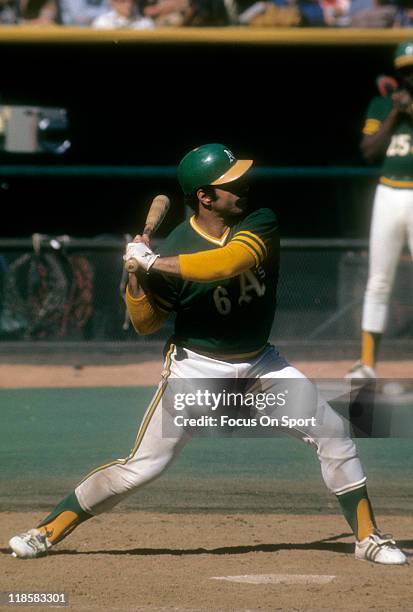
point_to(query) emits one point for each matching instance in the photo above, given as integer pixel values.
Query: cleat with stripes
(360, 370)
(30, 544)
(380, 548)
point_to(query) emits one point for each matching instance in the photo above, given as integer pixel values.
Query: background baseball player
(388, 131)
(218, 271)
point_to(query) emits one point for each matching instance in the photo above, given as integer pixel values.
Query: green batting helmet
(404, 55)
(210, 164)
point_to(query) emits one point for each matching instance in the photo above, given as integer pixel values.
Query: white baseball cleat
(360, 370)
(380, 548)
(30, 544)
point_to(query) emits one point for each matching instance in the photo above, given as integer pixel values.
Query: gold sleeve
(371, 126)
(218, 264)
(146, 318)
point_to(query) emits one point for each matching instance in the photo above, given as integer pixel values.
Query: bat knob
(131, 265)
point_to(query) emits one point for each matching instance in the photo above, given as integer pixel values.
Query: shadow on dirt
(327, 544)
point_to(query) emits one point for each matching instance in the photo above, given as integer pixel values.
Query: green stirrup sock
(63, 519)
(358, 512)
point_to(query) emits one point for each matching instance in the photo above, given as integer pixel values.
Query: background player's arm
(377, 135)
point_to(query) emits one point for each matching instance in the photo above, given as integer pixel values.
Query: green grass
(50, 438)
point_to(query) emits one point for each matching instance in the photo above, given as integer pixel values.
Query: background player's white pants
(341, 469)
(391, 226)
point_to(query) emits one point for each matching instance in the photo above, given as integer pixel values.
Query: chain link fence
(62, 289)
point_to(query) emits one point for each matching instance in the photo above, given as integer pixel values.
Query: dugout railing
(311, 200)
(169, 172)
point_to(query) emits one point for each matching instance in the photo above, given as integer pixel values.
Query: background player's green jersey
(227, 317)
(397, 169)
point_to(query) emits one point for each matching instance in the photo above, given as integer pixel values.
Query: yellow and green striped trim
(256, 245)
(152, 406)
(219, 241)
(251, 248)
(371, 127)
(395, 183)
(145, 422)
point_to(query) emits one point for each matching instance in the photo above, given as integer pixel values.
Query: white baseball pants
(341, 469)
(391, 226)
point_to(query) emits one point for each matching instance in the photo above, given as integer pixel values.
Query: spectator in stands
(336, 13)
(169, 12)
(311, 13)
(274, 13)
(211, 13)
(373, 14)
(82, 12)
(123, 14)
(405, 15)
(194, 13)
(38, 12)
(279, 13)
(9, 12)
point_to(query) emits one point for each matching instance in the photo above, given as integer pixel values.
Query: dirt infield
(146, 561)
(148, 373)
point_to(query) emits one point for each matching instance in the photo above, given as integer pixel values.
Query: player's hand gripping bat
(156, 214)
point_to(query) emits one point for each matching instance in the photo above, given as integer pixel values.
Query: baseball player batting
(218, 272)
(388, 132)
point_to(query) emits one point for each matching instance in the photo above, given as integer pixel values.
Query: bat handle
(147, 231)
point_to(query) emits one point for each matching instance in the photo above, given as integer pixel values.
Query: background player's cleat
(30, 544)
(360, 370)
(380, 548)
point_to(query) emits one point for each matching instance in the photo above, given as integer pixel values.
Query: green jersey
(232, 316)
(397, 169)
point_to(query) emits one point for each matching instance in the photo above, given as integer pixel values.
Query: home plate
(278, 578)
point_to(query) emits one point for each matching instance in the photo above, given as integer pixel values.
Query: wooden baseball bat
(156, 214)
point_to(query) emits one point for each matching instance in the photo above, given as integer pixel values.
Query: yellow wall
(225, 35)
